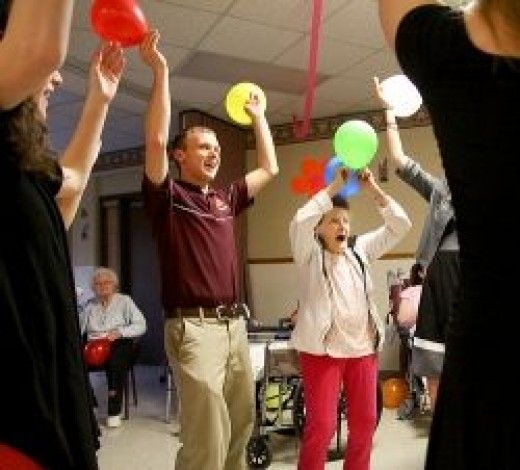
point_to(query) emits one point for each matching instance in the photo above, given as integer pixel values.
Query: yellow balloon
(237, 97)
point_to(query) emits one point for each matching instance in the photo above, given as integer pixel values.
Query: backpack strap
(362, 266)
(351, 242)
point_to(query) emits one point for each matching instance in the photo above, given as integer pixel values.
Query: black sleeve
(422, 42)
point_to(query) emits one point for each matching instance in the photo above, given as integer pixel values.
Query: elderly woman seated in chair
(114, 316)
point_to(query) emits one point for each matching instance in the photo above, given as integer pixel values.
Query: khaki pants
(216, 391)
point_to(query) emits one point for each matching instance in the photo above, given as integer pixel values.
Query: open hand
(380, 95)
(253, 107)
(106, 70)
(149, 51)
(366, 178)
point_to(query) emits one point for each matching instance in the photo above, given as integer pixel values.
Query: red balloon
(12, 459)
(97, 352)
(120, 21)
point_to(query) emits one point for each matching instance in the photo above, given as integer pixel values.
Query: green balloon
(355, 143)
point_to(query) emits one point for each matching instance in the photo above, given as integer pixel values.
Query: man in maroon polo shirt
(205, 334)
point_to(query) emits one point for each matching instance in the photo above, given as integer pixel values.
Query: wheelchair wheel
(258, 452)
(299, 407)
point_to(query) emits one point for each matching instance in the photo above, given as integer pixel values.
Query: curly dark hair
(26, 138)
(21, 128)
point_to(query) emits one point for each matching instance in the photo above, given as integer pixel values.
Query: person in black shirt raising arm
(466, 64)
(46, 412)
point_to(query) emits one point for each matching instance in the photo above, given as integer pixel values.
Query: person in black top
(46, 413)
(466, 64)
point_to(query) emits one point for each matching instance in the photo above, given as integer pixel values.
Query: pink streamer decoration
(301, 126)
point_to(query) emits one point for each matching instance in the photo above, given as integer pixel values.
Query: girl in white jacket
(338, 331)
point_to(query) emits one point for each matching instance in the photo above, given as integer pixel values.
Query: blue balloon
(351, 187)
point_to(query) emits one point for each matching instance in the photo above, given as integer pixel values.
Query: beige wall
(270, 216)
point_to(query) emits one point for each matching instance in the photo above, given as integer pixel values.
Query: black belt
(220, 312)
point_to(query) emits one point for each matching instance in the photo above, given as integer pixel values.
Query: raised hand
(106, 69)
(340, 178)
(254, 107)
(380, 95)
(149, 52)
(366, 178)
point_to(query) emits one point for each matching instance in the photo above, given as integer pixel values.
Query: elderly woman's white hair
(106, 272)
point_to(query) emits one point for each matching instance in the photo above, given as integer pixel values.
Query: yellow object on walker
(272, 397)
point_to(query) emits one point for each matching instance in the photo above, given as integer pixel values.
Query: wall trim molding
(324, 128)
(320, 129)
(119, 159)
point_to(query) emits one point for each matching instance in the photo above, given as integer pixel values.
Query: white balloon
(402, 95)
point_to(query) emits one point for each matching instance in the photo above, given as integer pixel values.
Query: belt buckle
(225, 312)
(221, 312)
(244, 310)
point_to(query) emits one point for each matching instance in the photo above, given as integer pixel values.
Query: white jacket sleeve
(135, 321)
(376, 243)
(83, 319)
(301, 230)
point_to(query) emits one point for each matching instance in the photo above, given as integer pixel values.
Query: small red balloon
(97, 352)
(12, 459)
(120, 21)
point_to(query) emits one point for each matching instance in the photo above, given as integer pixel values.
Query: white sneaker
(114, 421)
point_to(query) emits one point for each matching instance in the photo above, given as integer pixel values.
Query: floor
(147, 442)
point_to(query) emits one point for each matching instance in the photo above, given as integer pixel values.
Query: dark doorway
(128, 247)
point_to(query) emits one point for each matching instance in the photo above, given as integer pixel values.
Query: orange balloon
(395, 391)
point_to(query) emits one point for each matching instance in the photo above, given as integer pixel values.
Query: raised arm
(157, 119)
(34, 44)
(377, 242)
(395, 145)
(79, 157)
(265, 150)
(391, 12)
(407, 169)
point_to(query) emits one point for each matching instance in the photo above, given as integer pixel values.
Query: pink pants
(322, 376)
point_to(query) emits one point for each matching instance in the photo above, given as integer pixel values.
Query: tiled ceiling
(212, 44)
